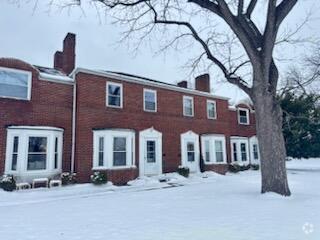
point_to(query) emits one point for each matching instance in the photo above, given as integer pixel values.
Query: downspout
(74, 107)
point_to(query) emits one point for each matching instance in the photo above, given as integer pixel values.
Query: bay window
(113, 149)
(35, 151)
(214, 149)
(240, 150)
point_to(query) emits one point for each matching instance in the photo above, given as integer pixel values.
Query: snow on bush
(68, 178)
(8, 183)
(183, 171)
(98, 178)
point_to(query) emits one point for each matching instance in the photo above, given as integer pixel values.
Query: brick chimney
(183, 84)
(65, 60)
(203, 83)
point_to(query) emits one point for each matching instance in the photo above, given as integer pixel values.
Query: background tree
(206, 22)
(300, 101)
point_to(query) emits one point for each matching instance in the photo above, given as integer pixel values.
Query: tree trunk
(272, 146)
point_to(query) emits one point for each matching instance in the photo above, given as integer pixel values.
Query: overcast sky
(34, 36)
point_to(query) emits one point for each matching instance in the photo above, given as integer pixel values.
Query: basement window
(15, 84)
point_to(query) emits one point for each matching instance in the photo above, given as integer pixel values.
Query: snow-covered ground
(206, 206)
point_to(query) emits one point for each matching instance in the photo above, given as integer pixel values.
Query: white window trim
(212, 151)
(29, 74)
(121, 94)
(254, 140)
(22, 162)
(108, 149)
(184, 112)
(155, 98)
(238, 141)
(248, 116)
(215, 109)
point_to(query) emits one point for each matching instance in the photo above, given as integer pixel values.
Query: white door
(150, 152)
(151, 161)
(190, 154)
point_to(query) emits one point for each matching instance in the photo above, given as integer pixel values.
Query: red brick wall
(50, 105)
(93, 113)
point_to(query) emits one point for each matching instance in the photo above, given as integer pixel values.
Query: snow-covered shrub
(183, 171)
(8, 183)
(255, 167)
(234, 168)
(98, 178)
(68, 178)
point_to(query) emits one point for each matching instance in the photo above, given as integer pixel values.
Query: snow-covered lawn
(214, 207)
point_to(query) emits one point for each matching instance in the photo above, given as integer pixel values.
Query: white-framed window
(240, 150)
(211, 109)
(188, 107)
(243, 116)
(113, 149)
(114, 95)
(149, 100)
(244, 152)
(214, 149)
(15, 83)
(37, 153)
(34, 150)
(255, 150)
(190, 152)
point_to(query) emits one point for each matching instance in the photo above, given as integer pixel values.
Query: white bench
(55, 183)
(23, 185)
(39, 181)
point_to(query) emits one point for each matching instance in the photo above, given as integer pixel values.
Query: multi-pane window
(150, 100)
(15, 154)
(101, 152)
(211, 109)
(207, 150)
(243, 116)
(190, 152)
(219, 150)
(151, 151)
(119, 151)
(235, 153)
(255, 152)
(188, 106)
(243, 149)
(15, 83)
(56, 153)
(37, 153)
(114, 95)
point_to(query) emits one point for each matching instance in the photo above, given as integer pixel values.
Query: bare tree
(257, 45)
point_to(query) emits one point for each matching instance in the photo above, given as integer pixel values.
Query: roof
(53, 74)
(145, 81)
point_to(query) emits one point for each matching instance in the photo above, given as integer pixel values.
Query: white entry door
(190, 155)
(150, 153)
(151, 161)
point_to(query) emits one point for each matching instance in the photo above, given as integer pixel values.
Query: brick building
(81, 120)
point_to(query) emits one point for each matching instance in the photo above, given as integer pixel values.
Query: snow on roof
(53, 74)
